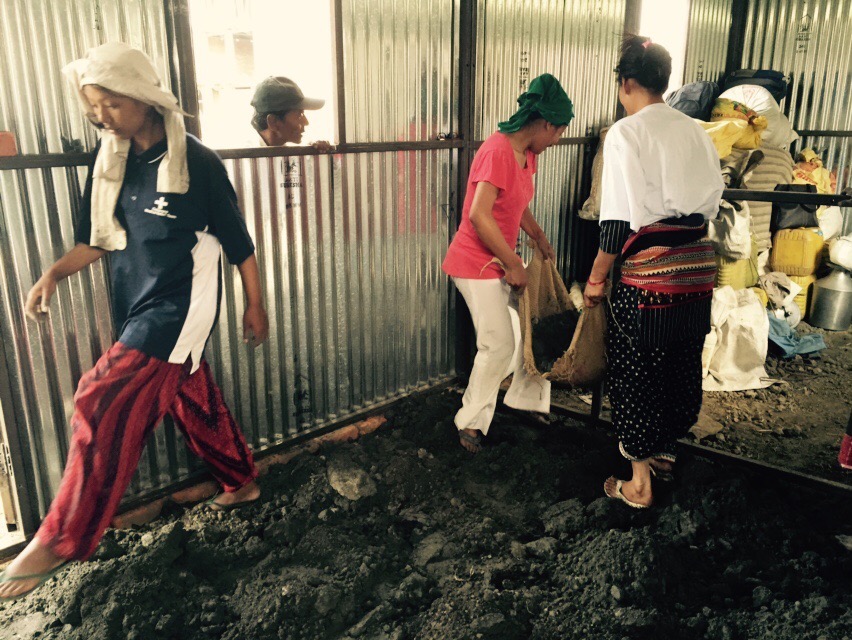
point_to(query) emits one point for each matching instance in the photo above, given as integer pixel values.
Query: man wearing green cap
(482, 261)
(279, 112)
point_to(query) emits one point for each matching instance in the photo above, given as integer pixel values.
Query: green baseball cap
(277, 93)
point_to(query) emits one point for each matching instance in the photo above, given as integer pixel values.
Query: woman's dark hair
(647, 63)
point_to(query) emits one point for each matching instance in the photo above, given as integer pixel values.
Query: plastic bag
(840, 252)
(546, 302)
(787, 215)
(777, 131)
(735, 349)
(809, 170)
(730, 232)
(695, 99)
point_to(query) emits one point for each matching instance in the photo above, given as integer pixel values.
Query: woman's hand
(255, 325)
(39, 297)
(516, 275)
(545, 248)
(593, 294)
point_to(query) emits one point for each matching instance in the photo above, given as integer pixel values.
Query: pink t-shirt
(495, 162)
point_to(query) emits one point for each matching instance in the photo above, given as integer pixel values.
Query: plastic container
(760, 293)
(803, 298)
(797, 252)
(739, 274)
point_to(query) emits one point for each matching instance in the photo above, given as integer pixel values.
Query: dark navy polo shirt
(166, 284)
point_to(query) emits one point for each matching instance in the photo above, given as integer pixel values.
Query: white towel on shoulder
(122, 69)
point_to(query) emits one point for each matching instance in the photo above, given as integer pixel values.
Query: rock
(846, 541)
(110, 549)
(564, 518)
(705, 427)
(615, 592)
(327, 598)
(349, 480)
(148, 539)
(429, 549)
(542, 548)
(518, 550)
(761, 596)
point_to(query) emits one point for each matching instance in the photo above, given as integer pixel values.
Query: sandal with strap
(618, 495)
(41, 577)
(212, 505)
(476, 441)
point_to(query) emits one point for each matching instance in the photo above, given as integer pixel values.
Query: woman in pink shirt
(482, 261)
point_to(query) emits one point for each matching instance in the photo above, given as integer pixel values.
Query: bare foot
(248, 493)
(630, 489)
(471, 439)
(35, 559)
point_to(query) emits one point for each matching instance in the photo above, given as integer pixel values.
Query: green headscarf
(545, 98)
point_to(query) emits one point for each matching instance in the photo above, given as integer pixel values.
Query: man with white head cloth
(160, 203)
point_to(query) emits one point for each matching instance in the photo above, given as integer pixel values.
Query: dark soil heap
(517, 542)
(551, 338)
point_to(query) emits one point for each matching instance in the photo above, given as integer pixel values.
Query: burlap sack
(591, 209)
(584, 363)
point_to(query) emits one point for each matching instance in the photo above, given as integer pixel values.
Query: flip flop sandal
(476, 441)
(620, 496)
(41, 577)
(212, 505)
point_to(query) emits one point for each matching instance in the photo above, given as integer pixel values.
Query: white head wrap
(124, 70)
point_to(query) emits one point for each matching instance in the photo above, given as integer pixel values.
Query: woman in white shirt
(661, 182)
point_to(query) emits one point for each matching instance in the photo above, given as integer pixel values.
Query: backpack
(695, 99)
(773, 81)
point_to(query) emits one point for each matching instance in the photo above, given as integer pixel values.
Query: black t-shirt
(166, 284)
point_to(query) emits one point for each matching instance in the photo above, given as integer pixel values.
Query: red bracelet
(596, 284)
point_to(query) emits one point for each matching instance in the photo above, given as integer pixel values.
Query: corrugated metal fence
(350, 249)
(349, 245)
(809, 40)
(707, 47)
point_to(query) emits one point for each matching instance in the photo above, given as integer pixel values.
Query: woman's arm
(255, 320)
(80, 257)
(482, 219)
(531, 228)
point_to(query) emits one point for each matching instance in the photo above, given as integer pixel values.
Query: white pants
(499, 352)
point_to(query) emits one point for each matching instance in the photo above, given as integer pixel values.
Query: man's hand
(323, 145)
(255, 325)
(39, 297)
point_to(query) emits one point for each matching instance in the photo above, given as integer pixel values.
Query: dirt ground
(796, 423)
(403, 535)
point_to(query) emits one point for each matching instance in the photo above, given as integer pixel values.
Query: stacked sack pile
(802, 232)
(752, 137)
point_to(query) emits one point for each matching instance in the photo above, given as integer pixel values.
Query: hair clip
(647, 43)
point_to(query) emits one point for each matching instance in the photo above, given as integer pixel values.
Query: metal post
(339, 70)
(182, 61)
(736, 39)
(467, 77)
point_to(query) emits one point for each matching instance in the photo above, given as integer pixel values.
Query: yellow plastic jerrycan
(739, 274)
(803, 299)
(797, 252)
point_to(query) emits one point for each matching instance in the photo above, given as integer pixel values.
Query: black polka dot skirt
(655, 391)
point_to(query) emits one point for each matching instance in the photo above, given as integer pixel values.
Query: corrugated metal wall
(575, 41)
(578, 42)
(707, 44)
(39, 37)
(809, 40)
(401, 69)
(350, 248)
